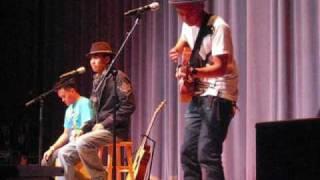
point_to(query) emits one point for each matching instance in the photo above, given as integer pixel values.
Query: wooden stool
(121, 166)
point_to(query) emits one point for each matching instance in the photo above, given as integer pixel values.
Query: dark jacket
(102, 98)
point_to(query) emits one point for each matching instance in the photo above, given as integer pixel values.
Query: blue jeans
(206, 124)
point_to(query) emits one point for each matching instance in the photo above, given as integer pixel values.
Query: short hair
(66, 84)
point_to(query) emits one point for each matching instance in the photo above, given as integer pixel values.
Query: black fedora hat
(184, 1)
(100, 47)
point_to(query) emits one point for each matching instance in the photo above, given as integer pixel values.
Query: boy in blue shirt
(78, 112)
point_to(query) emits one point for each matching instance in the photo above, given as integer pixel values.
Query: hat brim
(185, 1)
(100, 52)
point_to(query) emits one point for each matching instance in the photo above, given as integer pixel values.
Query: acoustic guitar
(186, 84)
(142, 156)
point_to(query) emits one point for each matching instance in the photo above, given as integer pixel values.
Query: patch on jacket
(125, 88)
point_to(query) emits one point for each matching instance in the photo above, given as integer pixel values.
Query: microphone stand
(40, 98)
(116, 99)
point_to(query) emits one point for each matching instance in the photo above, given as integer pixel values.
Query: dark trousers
(206, 125)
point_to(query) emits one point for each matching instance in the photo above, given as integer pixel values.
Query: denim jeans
(206, 124)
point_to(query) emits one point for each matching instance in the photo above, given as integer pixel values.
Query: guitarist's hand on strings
(185, 71)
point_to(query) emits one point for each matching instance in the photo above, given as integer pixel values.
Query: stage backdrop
(276, 46)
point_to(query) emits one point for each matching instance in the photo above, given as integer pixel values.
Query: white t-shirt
(217, 43)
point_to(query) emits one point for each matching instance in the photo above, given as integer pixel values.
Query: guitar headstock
(157, 110)
(160, 106)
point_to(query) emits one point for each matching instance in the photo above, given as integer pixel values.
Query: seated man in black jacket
(98, 131)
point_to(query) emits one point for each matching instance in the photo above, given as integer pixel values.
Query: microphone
(80, 70)
(153, 7)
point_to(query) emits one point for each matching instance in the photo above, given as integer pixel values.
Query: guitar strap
(205, 29)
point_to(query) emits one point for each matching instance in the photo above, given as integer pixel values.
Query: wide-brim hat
(184, 1)
(100, 47)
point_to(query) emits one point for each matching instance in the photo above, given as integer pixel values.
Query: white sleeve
(221, 41)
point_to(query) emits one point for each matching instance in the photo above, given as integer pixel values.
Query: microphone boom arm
(124, 42)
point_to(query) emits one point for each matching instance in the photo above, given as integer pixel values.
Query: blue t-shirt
(78, 113)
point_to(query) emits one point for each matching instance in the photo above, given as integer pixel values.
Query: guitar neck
(146, 135)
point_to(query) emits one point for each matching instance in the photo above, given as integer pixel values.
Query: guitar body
(185, 90)
(142, 160)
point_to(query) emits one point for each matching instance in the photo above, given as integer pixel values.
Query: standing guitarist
(211, 78)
